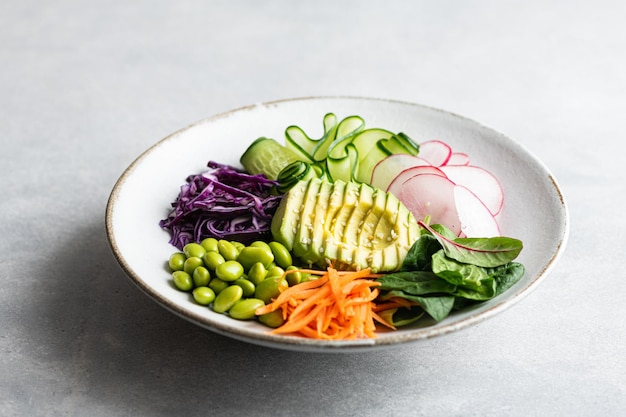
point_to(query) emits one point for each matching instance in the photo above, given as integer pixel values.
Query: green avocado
(345, 224)
(287, 216)
(316, 239)
(304, 229)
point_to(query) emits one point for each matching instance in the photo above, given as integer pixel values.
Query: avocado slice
(384, 243)
(287, 216)
(364, 255)
(356, 222)
(314, 251)
(329, 246)
(304, 230)
(338, 224)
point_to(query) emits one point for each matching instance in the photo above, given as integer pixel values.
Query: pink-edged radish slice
(480, 181)
(388, 168)
(396, 185)
(458, 158)
(435, 151)
(475, 218)
(431, 195)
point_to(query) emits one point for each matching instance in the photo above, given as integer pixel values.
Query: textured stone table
(85, 87)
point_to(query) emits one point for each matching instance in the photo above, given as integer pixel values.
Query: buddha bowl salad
(332, 238)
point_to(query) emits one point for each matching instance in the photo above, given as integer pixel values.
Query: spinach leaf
(419, 256)
(506, 275)
(416, 283)
(402, 316)
(487, 252)
(474, 282)
(438, 307)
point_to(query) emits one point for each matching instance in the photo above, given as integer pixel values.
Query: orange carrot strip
(292, 326)
(295, 292)
(382, 321)
(338, 305)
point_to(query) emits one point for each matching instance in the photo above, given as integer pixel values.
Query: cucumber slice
(267, 156)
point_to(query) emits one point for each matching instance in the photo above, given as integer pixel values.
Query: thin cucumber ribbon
(346, 151)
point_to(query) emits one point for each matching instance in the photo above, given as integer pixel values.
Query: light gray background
(85, 87)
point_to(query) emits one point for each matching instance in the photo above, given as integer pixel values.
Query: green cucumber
(346, 151)
(267, 156)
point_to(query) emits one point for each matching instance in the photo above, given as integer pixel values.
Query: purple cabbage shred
(222, 202)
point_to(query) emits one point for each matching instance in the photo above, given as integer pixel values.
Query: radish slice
(480, 182)
(435, 151)
(396, 185)
(388, 168)
(475, 218)
(431, 195)
(458, 158)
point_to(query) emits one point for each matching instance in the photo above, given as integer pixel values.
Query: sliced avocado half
(346, 224)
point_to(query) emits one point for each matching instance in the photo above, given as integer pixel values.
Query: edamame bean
(272, 319)
(229, 271)
(253, 254)
(213, 259)
(245, 309)
(177, 261)
(238, 245)
(275, 271)
(201, 276)
(293, 278)
(182, 280)
(260, 244)
(227, 298)
(257, 273)
(282, 256)
(194, 250)
(227, 250)
(209, 244)
(270, 288)
(218, 285)
(203, 295)
(247, 286)
(191, 264)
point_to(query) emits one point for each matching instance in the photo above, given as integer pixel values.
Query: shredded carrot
(395, 302)
(337, 305)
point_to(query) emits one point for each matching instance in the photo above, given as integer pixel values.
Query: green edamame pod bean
(218, 285)
(177, 261)
(307, 277)
(257, 273)
(272, 319)
(229, 271)
(194, 250)
(209, 244)
(275, 271)
(293, 278)
(253, 254)
(227, 298)
(245, 309)
(282, 256)
(213, 259)
(270, 288)
(238, 245)
(227, 250)
(260, 244)
(247, 286)
(203, 295)
(201, 277)
(191, 264)
(182, 280)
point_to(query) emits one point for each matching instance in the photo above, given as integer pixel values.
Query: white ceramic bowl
(144, 192)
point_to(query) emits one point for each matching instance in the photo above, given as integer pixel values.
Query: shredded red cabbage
(222, 202)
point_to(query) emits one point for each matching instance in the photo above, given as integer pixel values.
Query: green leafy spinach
(442, 273)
